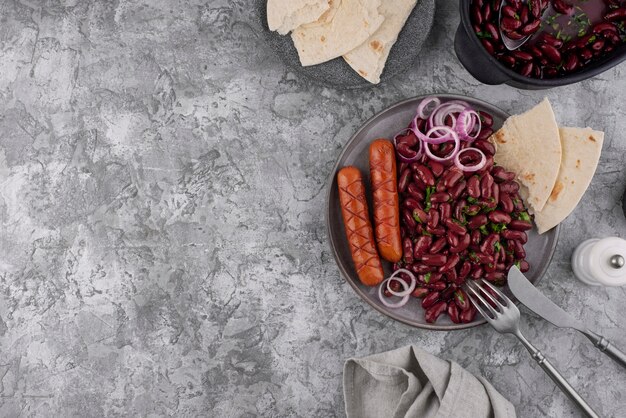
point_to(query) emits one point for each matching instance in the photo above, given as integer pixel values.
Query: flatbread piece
(284, 16)
(581, 149)
(529, 145)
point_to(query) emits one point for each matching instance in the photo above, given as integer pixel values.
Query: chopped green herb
(484, 35)
(416, 217)
(473, 256)
(518, 264)
(429, 191)
(592, 39)
(427, 234)
(497, 246)
(483, 230)
(472, 200)
(523, 216)
(427, 277)
(497, 227)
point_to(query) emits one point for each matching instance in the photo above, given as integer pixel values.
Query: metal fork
(505, 319)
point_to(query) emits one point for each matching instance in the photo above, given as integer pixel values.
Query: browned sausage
(386, 205)
(358, 228)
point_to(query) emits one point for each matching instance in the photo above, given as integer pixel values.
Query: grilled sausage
(386, 205)
(357, 225)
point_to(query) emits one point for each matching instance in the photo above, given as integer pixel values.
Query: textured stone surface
(162, 247)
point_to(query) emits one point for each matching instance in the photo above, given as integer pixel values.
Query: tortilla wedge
(581, 153)
(284, 16)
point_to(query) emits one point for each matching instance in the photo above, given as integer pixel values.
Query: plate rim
(344, 273)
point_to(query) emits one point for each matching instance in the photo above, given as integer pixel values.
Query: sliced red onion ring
(438, 117)
(418, 153)
(470, 168)
(383, 299)
(453, 153)
(405, 291)
(466, 122)
(427, 106)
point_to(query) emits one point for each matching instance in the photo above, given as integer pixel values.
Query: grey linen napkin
(409, 382)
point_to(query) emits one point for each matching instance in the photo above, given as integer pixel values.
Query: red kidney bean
(482, 258)
(515, 35)
(448, 292)
(440, 187)
(487, 12)
(473, 187)
(452, 261)
(521, 55)
(438, 286)
(490, 267)
(452, 177)
(485, 185)
(477, 273)
(524, 266)
(418, 182)
(484, 134)
(413, 191)
(616, 15)
(508, 11)
(461, 300)
(436, 168)
(507, 60)
(451, 276)
(464, 242)
(509, 24)
(452, 239)
(407, 246)
(424, 174)
(458, 189)
(518, 250)
(506, 203)
(472, 210)
(600, 28)
(488, 46)
(477, 17)
(500, 174)
(403, 182)
(436, 260)
(477, 221)
(510, 187)
(476, 237)
(421, 246)
(487, 246)
(548, 39)
(440, 197)
(440, 230)
(526, 69)
(513, 235)
(492, 30)
(453, 313)
(454, 227)
(420, 216)
(486, 119)
(563, 7)
(407, 217)
(420, 292)
(524, 16)
(495, 192)
(585, 54)
(487, 203)
(445, 210)
(431, 314)
(409, 140)
(433, 278)
(459, 206)
(468, 316)
(499, 217)
(465, 269)
(412, 203)
(419, 268)
(437, 245)
(431, 299)
(519, 225)
(493, 276)
(597, 45)
(433, 220)
(535, 8)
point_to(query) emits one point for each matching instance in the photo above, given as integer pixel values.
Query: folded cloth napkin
(409, 382)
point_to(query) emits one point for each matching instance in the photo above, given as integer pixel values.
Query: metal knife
(537, 302)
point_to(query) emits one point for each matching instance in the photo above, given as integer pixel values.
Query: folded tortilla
(352, 23)
(581, 153)
(529, 145)
(369, 58)
(284, 16)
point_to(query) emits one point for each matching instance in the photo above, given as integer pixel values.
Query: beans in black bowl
(566, 36)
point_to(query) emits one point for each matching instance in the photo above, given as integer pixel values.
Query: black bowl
(486, 69)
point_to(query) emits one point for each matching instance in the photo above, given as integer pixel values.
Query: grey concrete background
(162, 246)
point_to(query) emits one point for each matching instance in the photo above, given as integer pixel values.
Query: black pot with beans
(568, 40)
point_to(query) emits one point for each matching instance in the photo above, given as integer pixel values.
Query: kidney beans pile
(458, 225)
(553, 50)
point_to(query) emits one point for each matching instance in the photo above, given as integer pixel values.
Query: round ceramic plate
(336, 72)
(386, 124)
